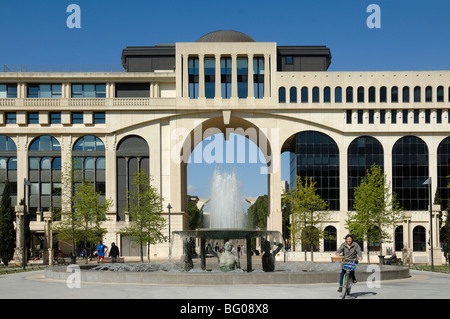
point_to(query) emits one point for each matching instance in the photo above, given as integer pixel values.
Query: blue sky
(414, 35)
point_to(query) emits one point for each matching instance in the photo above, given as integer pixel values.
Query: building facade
(171, 97)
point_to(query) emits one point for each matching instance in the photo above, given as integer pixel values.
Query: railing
(63, 68)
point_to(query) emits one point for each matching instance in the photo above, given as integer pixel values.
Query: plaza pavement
(33, 285)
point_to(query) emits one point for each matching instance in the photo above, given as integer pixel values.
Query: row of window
(316, 155)
(348, 94)
(225, 77)
(415, 116)
(55, 118)
(418, 237)
(54, 90)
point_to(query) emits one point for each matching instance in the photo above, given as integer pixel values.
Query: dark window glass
(362, 153)
(417, 96)
(405, 94)
(304, 94)
(318, 157)
(371, 94)
(99, 118)
(419, 238)
(394, 94)
(210, 78)
(225, 76)
(428, 94)
(33, 118)
(338, 95)
(349, 95)
(242, 77)
(193, 65)
(443, 171)
(410, 170)
(258, 77)
(282, 95)
(360, 94)
(77, 118)
(315, 93)
(55, 118)
(293, 95)
(440, 94)
(383, 94)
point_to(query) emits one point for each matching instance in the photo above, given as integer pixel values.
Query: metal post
(170, 244)
(24, 245)
(428, 182)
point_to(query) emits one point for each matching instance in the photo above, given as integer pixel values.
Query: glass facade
(317, 156)
(193, 78)
(88, 90)
(44, 90)
(242, 77)
(225, 76)
(410, 170)
(8, 91)
(258, 77)
(362, 153)
(443, 171)
(44, 174)
(210, 75)
(8, 165)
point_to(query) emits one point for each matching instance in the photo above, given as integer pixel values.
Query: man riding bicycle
(350, 250)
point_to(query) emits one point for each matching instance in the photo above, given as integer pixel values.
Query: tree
(195, 215)
(258, 212)
(145, 209)
(308, 211)
(7, 232)
(376, 209)
(83, 214)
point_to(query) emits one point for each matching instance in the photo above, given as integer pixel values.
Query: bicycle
(349, 265)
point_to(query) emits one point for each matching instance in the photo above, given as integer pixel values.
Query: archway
(238, 145)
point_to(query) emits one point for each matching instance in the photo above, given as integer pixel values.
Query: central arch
(222, 125)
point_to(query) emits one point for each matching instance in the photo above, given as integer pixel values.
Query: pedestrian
(114, 252)
(101, 250)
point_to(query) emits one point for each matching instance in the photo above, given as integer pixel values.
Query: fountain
(225, 226)
(226, 223)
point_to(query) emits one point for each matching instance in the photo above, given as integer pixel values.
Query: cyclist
(350, 250)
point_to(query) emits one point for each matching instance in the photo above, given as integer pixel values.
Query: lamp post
(24, 245)
(428, 182)
(170, 246)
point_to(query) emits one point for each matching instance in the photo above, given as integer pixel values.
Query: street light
(428, 182)
(170, 248)
(24, 245)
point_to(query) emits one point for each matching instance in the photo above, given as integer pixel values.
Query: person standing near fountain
(268, 258)
(227, 261)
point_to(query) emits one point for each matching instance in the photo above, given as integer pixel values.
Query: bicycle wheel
(344, 286)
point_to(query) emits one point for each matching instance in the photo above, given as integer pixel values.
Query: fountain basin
(210, 278)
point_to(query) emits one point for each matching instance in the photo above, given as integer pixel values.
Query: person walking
(114, 252)
(101, 250)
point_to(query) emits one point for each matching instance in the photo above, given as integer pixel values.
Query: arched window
(417, 94)
(132, 156)
(317, 157)
(419, 238)
(8, 165)
(410, 170)
(44, 174)
(443, 170)
(360, 94)
(293, 95)
(338, 95)
(349, 94)
(304, 93)
(362, 153)
(383, 94)
(282, 95)
(405, 94)
(394, 94)
(87, 151)
(330, 240)
(326, 94)
(372, 94)
(316, 95)
(428, 94)
(398, 238)
(440, 94)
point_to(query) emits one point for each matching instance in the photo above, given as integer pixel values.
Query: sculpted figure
(268, 258)
(227, 261)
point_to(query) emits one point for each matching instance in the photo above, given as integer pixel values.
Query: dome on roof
(226, 36)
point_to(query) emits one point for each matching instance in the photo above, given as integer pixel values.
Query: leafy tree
(195, 215)
(145, 209)
(258, 212)
(376, 209)
(82, 213)
(308, 211)
(7, 232)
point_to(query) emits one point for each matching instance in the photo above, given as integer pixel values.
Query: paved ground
(33, 285)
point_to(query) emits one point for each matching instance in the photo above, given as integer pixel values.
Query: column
(201, 75)
(218, 77)
(251, 93)
(19, 209)
(267, 75)
(48, 255)
(185, 75)
(234, 76)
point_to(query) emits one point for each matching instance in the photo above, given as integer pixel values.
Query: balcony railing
(64, 68)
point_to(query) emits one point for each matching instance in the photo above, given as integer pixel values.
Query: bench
(107, 260)
(397, 262)
(62, 261)
(336, 259)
